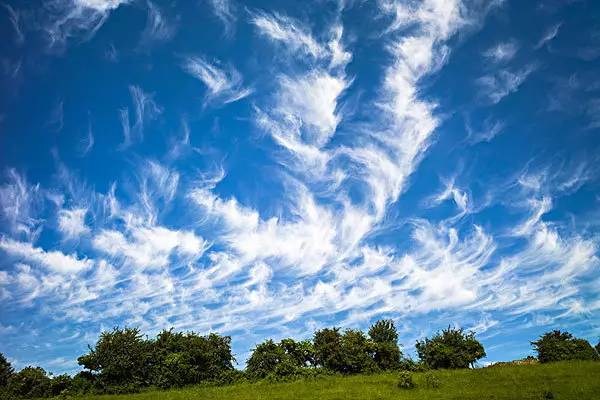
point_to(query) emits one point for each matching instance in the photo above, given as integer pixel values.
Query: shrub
(408, 364)
(432, 381)
(265, 359)
(451, 348)
(358, 351)
(6, 371)
(559, 346)
(328, 349)
(30, 382)
(60, 384)
(120, 357)
(387, 354)
(405, 380)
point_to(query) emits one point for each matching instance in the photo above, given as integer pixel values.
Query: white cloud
(225, 11)
(550, 34)
(293, 34)
(502, 52)
(76, 18)
(53, 260)
(497, 86)
(20, 204)
(157, 29)
(149, 247)
(224, 84)
(71, 223)
(313, 100)
(15, 20)
(146, 109)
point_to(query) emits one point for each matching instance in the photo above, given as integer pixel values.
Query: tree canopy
(450, 348)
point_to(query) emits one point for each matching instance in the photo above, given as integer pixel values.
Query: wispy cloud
(79, 19)
(289, 32)
(71, 223)
(550, 34)
(223, 83)
(225, 11)
(15, 20)
(146, 109)
(502, 52)
(158, 29)
(495, 87)
(53, 260)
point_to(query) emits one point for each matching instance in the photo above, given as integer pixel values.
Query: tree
(185, 358)
(265, 359)
(30, 382)
(120, 357)
(358, 352)
(559, 346)
(598, 348)
(385, 339)
(328, 349)
(6, 371)
(450, 348)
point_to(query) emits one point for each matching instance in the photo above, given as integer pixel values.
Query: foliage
(347, 353)
(558, 346)
(387, 354)
(405, 380)
(408, 364)
(265, 359)
(30, 382)
(598, 348)
(60, 384)
(451, 348)
(358, 353)
(281, 360)
(187, 358)
(432, 381)
(329, 354)
(6, 371)
(121, 356)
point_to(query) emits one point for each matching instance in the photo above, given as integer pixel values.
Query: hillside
(564, 380)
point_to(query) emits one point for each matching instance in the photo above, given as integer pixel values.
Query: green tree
(265, 359)
(60, 384)
(186, 358)
(598, 348)
(387, 354)
(358, 352)
(30, 382)
(450, 348)
(120, 357)
(559, 346)
(6, 371)
(329, 353)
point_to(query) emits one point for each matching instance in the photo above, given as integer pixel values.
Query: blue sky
(264, 169)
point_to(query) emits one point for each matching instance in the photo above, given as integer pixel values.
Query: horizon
(265, 170)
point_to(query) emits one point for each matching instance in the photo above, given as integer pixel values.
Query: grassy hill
(565, 380)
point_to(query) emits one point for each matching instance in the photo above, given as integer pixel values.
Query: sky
(265, 169)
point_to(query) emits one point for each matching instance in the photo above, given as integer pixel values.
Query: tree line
(125, 361)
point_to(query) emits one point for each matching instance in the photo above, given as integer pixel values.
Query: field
(565, 380)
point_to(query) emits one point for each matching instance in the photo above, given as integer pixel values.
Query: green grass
(566, 380)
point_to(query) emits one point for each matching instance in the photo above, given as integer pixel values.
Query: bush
(30, 382)
(387, 353)
(6, 371)
(328, 349)
(451, 348)
(60, 384)
(559, 346)
(408, 364)
(120, 357)
(265, 359)
(432, 381)
(405, 380)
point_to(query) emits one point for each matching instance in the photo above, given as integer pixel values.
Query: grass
(565, 380)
